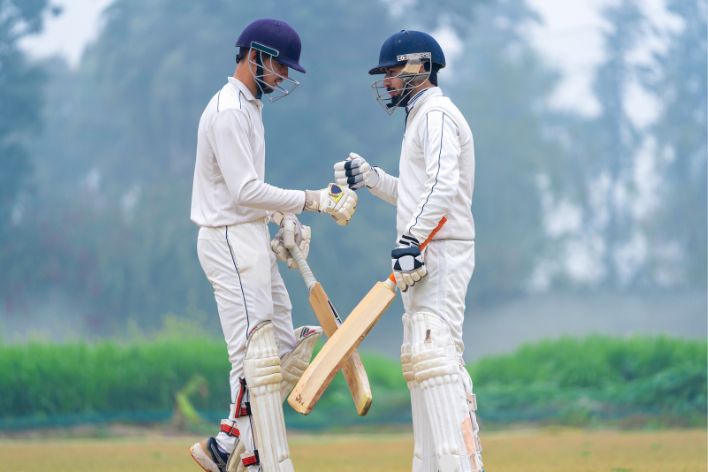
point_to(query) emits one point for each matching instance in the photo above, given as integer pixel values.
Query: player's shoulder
(440, 103)
(444, 105)
(227, 106)
(230, 98)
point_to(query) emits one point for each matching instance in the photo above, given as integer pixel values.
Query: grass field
(504, 451)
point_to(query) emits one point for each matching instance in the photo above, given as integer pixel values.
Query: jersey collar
(422, 96)
(241, 87)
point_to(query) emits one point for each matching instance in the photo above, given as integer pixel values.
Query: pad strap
(250, 458)
(242, 408)
(229, 427)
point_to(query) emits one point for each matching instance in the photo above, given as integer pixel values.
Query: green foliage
(597, 380)
(20, 94)
(46, 380)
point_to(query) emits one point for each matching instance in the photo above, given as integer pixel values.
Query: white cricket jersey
(436, 171)
(229, 173)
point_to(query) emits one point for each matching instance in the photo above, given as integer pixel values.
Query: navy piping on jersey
(243, 294)
(442, 133)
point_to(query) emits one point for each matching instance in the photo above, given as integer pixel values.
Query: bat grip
(303, 266)
(298, 256)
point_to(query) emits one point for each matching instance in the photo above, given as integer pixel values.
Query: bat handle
(303, 266)
(298, 256)
(432, 234)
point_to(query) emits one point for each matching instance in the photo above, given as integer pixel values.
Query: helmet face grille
(411, 75)
(263, 68)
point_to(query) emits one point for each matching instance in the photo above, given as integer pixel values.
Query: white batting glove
(407, 262)
(303, 234)
(355, 172)
(337, 201)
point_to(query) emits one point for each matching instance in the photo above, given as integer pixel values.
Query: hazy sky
(570, 40)
(67, 34)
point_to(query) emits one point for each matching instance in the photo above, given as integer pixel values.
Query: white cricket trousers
(442, 292)
(248, 289)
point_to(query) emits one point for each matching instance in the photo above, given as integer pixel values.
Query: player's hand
(335, 200)
(407, 262)
(355, 172)
(302, 236)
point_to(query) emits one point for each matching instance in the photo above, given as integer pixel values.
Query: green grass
(557, 450)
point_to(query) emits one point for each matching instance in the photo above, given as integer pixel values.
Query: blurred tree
(20, 94)
(616, 139)
(600, 171)
(119, 148)
(678, 77)
(503, 87)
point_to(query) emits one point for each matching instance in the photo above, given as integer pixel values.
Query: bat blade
(352, 368)
(340, 346)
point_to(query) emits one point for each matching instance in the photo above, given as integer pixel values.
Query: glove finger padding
(352, 172)
(407, 263)
(345, 201)
(302, 236)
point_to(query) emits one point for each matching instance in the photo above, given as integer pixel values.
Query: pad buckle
(250, 458)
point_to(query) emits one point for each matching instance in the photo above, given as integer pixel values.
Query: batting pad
(438, 370)
(263, 377)
(292, 365)
(423, 453)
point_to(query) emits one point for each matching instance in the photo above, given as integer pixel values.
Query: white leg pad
(423, 452)
(296, 361)
(438, 369)
(235, 464)
(292, 366)
(263, 377)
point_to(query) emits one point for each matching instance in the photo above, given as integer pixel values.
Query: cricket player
(435, 180)
(232, 205)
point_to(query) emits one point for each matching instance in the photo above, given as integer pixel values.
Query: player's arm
(441, 147)
(356, 173)
(235, 158)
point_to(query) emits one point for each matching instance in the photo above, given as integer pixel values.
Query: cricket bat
(352, 367)
(319, 374)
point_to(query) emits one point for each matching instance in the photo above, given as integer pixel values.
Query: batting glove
(335, 200)
(302, 235)
(355, 172)
(407, 262)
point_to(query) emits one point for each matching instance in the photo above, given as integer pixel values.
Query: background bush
(597, 380)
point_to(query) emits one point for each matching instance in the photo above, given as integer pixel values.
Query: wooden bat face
(340, 346)
(344, 341)
(352, 367)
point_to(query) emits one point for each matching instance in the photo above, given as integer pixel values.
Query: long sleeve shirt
(229, 173)
(436, 171)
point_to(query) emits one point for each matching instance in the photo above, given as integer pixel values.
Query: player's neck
(243, 74)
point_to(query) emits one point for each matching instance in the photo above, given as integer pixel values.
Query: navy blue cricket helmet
(398, 48)
(273, 37)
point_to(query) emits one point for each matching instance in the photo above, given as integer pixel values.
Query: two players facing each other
(232, 205)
